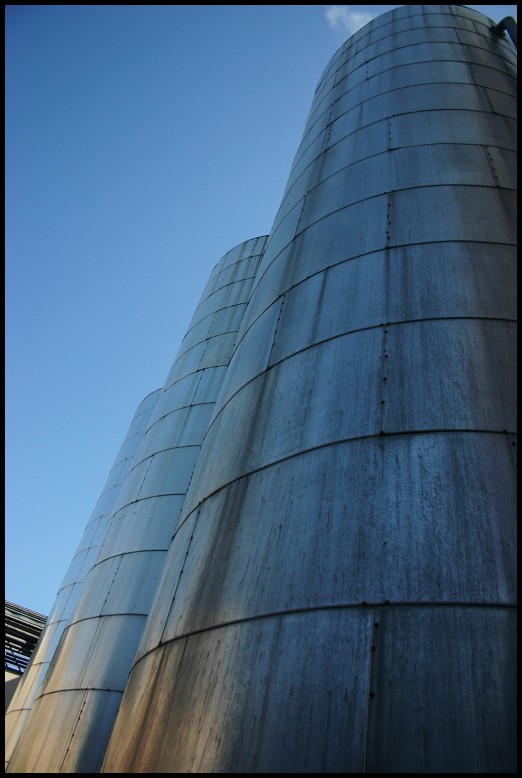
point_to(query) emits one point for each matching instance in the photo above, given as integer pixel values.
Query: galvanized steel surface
(77, 704)
(71, 588)
(338, 595)
(331, 460)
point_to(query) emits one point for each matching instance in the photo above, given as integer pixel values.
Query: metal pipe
(509, 25)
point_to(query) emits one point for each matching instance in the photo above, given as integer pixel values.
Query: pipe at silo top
(338, 595)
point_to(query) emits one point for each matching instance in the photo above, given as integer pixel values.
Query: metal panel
(462, 281)
(405, 168)
(359, 145)
(65, 602)
(231, 294)
(176, 393)
(218, 350)
(26, 693)
(167, 586)
(82, 661)
(293, 411)
(15, 721)
(464, 706)
(80, 566)
(346, 542)
(358, 453)
(210, 383)
(364, 533)
(130, 539)
(453, 213)
(361, 86)
(249, 363)
(452, 126)
(77, 716)
(450, 374)
(355, 230)
(228, 676)
(104, 593)
(138, 526)
(71, 588)
(222, 321)
(182, 427)
(170, 472)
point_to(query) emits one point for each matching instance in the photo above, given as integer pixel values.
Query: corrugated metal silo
(338, 595)
(72, 585)
(72, 718)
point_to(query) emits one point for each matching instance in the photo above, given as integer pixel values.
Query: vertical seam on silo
(275, 331)
(194, 393)
(296, 231)
(384, 377)
(488, 98)
(111, 583)
(74, 729)
(179, 576)
(144, 478)
(371, 693)
(491, 165)
(513, 445)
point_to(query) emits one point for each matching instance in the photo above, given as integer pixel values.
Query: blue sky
(142, 143)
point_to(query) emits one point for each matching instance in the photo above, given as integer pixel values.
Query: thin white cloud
(342, 19)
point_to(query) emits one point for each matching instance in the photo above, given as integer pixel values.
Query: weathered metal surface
(338, 593)
(331, 459)
(72, 585)
(99, 644)
(231, 682)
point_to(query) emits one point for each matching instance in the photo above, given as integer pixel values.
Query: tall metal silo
(72, 718)
(72, 585)
(339, 593)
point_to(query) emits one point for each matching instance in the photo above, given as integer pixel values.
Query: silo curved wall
(338, 595)
(71, 587)
(72, 718)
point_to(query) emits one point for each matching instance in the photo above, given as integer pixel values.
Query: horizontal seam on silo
(122, 554)
(396, 67)
(76, 689)
(225, 268)
(377, 436)
(333, 607)
(344, 56)
(149, 497)
(388, 91)
(207, 339)
(192, 373)
(162, 450)
(379, 194)
(101, 616)
(473, 86)
(353, 259)
(345, 48)
(212, 313)
(384, 153)
(216, 286)
(220, 288)
(399, 190)
(360, 130)
(179, 408)
(216, 269)
(453, 186)
(416, 63)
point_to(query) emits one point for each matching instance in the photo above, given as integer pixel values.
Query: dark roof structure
(22, 630)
